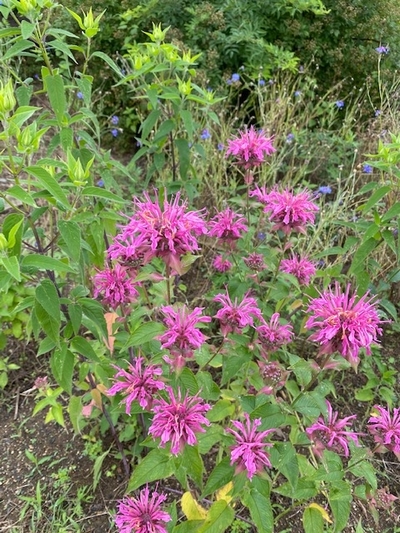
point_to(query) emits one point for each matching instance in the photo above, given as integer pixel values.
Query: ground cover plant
(203, 304)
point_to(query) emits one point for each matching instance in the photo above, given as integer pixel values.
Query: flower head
(114, 120)
(79, 95)
(382, 49)
(249, 452)
(255, 261)
(331, 433)
(177, 420)
(325, 189)
(227, 225)
(221, 265)
(386, 428)
(344, 324)
(234, 78)
(339, 104)
(367, 168)
(273, 375)
(114, 132)
(273, 335)
(205, 134)
(289, 211)
(138, 383)
(169, 231)
(182, 337)
(115, 286)
(142, 514)
(300, 267)
(235, 316)
(250, 147)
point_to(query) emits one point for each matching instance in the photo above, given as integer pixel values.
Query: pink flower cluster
(142, 514)
(344, 324)
(289, 211)
(182, 337)
(115, 286)
(138, 383)
(227, 226)
(300, 267)
(332, 434)
(250, 147)
(272, 335)
(249, 451)
(178, 420)
(234, 316)
(386, 428)
(168, 231)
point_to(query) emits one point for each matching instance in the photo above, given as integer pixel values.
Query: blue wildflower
(100, 183)
(205, 134)
(114, 132)
(261, 83)
(339, 104)
(290, 138)
(325, 189)
(377, 112)
(235, 77)
(260, 236)
(114, 120)
(367, 169)
(220, 147)
(297, 93)
(382, 49)
(79, 95)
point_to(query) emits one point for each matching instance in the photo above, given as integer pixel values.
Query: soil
(59, 448)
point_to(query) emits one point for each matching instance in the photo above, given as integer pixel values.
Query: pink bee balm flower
(260, 193)
(227, 226)
(177, 420)
(250, 147)
(272, 335)
(138, 383)
(332, 435)
(168, 231)
(289, 211)
(182, 337)
(386, 428)
(249, 451)
(235, 316)
(221, 265)
(301, 267)
(115, 286)
(255, 262)
(273, 376)
(343, 324)
(142, 514)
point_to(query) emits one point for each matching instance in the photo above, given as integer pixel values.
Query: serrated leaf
(220, 476)
(158, 464)
(82, 346)
(11, 264)
(376, 196)
(48, 183)
(56, 92)
(188, 382)
(18, 192)
(43, 262)
(191, 508)
(221, 410)
(340, 503)
(71, 233)
(220, 516)
(224, 492)
(17, 49)
(98, 192)
(145, 333)
(62, 364)
(313, 521)
(260, 510)
(149, 123)
(75, 412)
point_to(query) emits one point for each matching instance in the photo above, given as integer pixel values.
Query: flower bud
(7, 98)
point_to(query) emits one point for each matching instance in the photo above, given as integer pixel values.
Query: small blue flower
(260, 236)
(290, 138)
(367, 169)
(271, 82)
(139, 144)
(114, 120)
(220, 147)
(325, 189)
(79, 95)
(205, 134)
(339, 104)
(261, 83)
(382, 49)
(378, 112)
(235, 77)
(100, 183)
(114, 132)
(297, 93)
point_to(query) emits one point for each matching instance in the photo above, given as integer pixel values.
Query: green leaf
(71, 233)
(18, 192)
(340, 503)
(98, 192)
(190, 526)
(81, 345)
(43, 262)
(361, 254)
(17, 48)
(221, 410)
(313, 521)
(187, 119)
(97, 468)
(164, 130)
(378, 195)
(56, 92)
(286, 461)
(392, 212)
(22, 114)
(95, 312)
(187, 381)
(48, 183)
(11, 264)
(191, 460)
(149, 123)
(75, 315)
(46, 294)
(109, 62)
(220, 476)
(62, 47)
(184, 157)
(67, 138)
(219, 517)
(46, 345)
(260, 510)
(62, 364)
(145, 333)
(271, 414)
(158, 464)
(12, 229)
(75, 412)
(27, 29)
